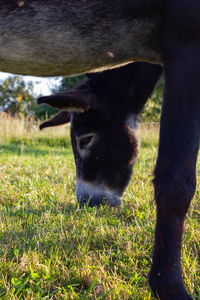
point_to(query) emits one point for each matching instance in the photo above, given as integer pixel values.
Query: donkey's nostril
(82, 202)
(103, 200)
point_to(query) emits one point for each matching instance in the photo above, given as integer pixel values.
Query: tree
(16, 96)
(68, 83)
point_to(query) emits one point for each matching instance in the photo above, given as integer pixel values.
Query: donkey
(66, 37)
(103, 112)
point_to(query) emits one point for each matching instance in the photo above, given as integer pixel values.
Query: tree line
(17, 98)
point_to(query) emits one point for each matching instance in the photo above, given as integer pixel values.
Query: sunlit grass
(51, 249)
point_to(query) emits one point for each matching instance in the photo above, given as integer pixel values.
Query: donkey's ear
(63, 117)
(76, 101)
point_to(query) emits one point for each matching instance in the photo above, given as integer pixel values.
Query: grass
(51, 249)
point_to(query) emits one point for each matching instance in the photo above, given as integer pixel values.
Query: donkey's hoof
(166, 291)
(172, 295)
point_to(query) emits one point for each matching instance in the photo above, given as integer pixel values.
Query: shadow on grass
(53, 208)
(27, 228)
(17, 149)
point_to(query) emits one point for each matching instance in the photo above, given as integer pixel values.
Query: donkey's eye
(85, 141)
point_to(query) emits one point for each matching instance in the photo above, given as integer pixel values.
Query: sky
(42, 85)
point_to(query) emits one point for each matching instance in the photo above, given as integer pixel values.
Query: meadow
(52, 249)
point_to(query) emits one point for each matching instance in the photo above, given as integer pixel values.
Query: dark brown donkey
(66, 37)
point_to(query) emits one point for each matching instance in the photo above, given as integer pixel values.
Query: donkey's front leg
(175, 173)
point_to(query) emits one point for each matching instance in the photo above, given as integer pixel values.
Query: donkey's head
(103, 114)
(103, 137)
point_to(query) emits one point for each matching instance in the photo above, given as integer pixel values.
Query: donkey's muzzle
(94, 195)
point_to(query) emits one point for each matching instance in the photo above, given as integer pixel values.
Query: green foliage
(68, 83)
(44, 112)
(52, 249)
(16, 96)
(152, 110)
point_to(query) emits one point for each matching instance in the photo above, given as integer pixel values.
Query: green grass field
(51, 249)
